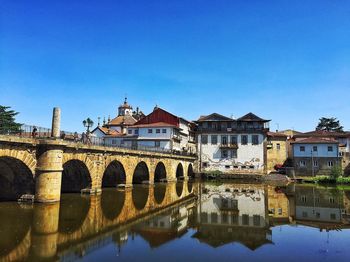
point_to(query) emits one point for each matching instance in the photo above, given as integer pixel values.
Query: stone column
(48, 173)
(56, 122)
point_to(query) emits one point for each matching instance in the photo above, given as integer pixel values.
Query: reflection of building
(166, 227)
(318, 207)
(278, 205)
(233, 213)
(232, 145)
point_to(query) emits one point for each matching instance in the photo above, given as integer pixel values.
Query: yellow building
(276, 150)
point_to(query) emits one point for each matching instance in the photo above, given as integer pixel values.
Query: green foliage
(7, 121)
(336, 172)
(329, 124)
(213, 173)
(331, 180)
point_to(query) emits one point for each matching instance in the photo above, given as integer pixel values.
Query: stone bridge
(46, 167)
(49, 231)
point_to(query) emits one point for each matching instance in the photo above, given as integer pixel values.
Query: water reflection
(246, 215)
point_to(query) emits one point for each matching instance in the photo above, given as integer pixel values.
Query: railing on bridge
(29, 131)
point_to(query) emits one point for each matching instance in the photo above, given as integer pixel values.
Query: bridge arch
(140, 196)
(16, 179)
(141, 173)
(179, 172)
(114, 174)
(159, 192)
(190, 172)
(160, 172)
(75, 176)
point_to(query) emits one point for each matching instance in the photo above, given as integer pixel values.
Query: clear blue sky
(284, 60)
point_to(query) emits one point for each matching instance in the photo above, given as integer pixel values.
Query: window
(129, 131)
(157, 143)
(150, 131)
(234, 153)
(224, 153)
(214, 139)
(158, 131)
(227, 167)
(330, 149)
(205, 164)
(114, 142)
(234, 219)
(256, 220)
(318, 215)
(331, 200)
(136, 131)
(314, 148)
(302, 163)
(204, 217)
(302, 148)
(305, 214)
(245, 220)
(315, 163)
(303, 199)
(255, 139)
(204, 139)
(333, 216)
(244, 139)
(278, 146)
(224, 218)
(280, 211)
(164, 131)
(224, 140)
(330, 163)
(233, 140)
(214, 217)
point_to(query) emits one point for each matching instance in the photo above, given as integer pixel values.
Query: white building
(232, 146)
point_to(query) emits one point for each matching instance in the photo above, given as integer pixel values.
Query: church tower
(125, 109)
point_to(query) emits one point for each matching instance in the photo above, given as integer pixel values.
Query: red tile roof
(323, 133)
(158, 124)
(119, 120)
(276, 134)
(316, 140)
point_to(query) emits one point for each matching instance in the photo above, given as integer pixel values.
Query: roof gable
(214, 117)
(251, 117)
(159, 115)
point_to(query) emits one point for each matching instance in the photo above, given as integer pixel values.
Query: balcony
(229, 146)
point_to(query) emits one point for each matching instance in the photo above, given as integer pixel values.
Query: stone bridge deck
(47, 167)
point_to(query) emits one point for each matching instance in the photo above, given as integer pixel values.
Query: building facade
(315, 156)
(277, 150)
(232, 145)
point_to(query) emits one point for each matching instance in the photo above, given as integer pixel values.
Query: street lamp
(88, 123)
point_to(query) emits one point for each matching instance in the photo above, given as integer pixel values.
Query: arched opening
(189, 186)
(75, 177)
(190, 172)
(15, 223)
(179, 172)
(179, 188)
(160, 173)
(141, 173)
(140, 196)
(16, 179)
(159, 192)
(112, 202)
(114, 175)
(73, 212)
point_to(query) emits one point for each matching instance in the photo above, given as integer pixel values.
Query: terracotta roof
(158, 124)
(251, 117)
(119, 120)
(323, 133)
(276, 134)
(106, 130)
(316, 140)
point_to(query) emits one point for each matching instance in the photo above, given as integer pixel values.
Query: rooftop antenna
(98, 123)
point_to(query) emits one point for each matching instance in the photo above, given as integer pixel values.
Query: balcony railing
(229, 146)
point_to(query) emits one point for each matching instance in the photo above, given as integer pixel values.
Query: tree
(329, 124)
(7, 121)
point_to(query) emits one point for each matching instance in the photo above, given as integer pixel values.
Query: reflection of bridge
(47, 167)
(51, 230)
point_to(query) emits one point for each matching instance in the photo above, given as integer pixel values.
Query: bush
(343, 180)
(336, 172)
(324, 179)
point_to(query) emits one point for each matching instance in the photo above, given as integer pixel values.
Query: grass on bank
(336, 177)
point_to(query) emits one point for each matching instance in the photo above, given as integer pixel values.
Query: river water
(180, 222)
